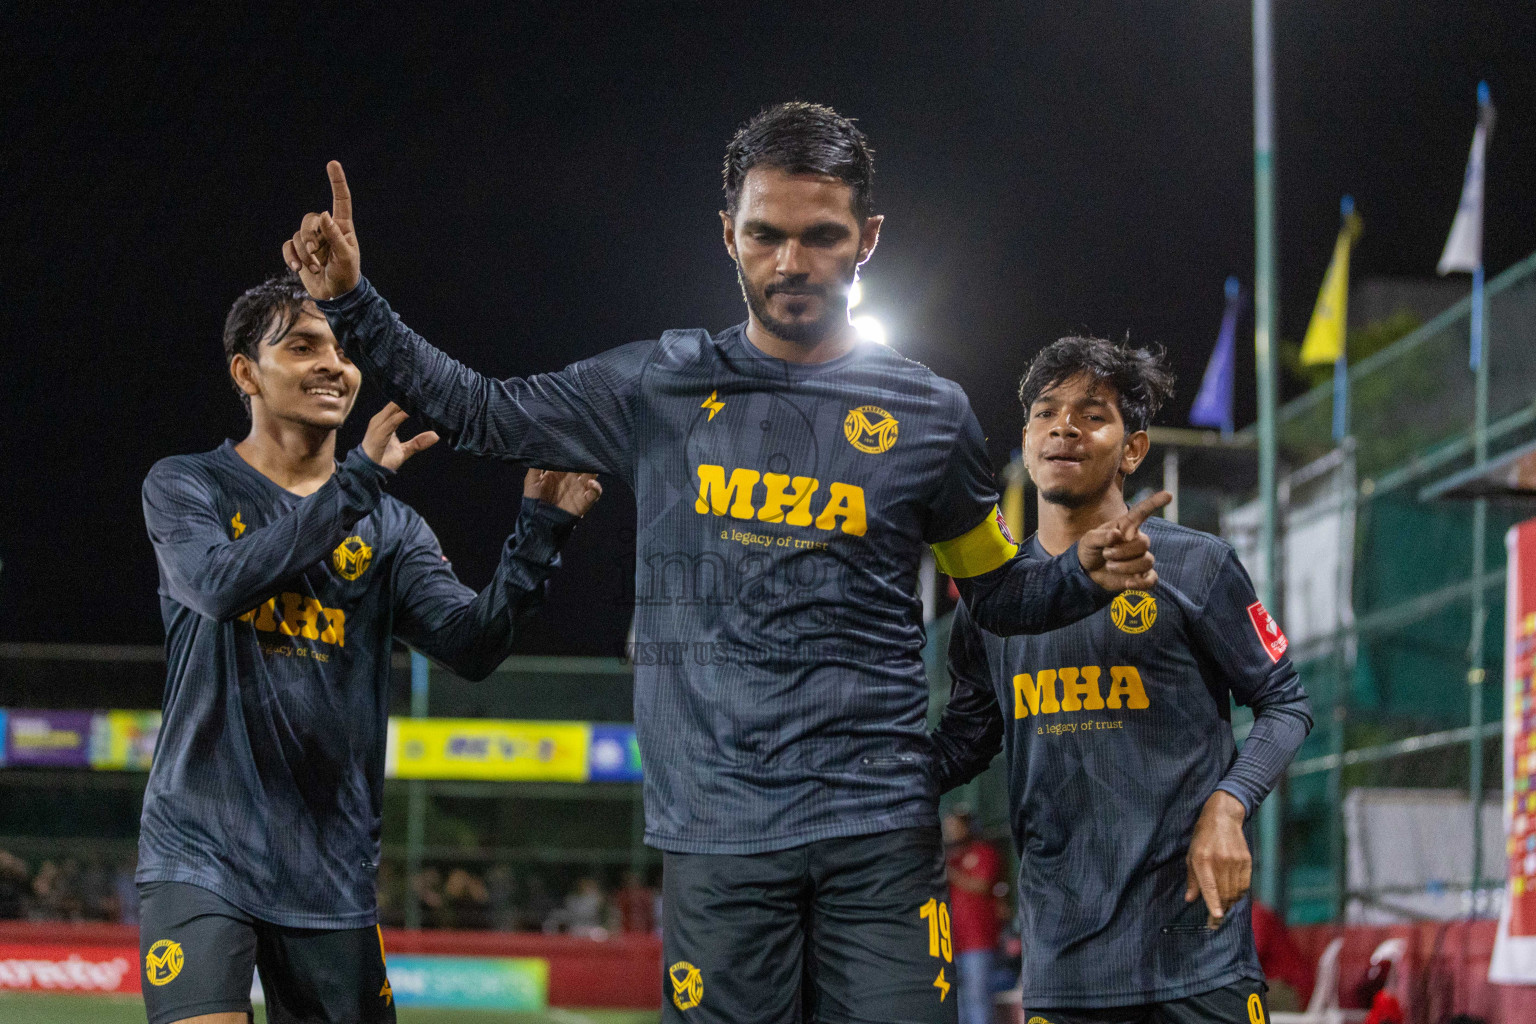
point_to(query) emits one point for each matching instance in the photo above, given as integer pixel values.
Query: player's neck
(295, 456)
(1062, 526)
(838, 343)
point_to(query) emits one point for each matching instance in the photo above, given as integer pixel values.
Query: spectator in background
(125, 894)
(539, 905)
(391, 889)
(974, 871)
(500, 889)
(635, 905)
(582, 913)
(428, 887)
(466, 900)
(14, 887)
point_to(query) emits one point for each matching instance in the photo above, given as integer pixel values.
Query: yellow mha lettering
(1036, 694)
(301, 616)
(787, 500)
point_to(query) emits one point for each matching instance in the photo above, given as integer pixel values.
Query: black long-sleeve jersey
(780, 695)
(1117, 730)
(280, 613)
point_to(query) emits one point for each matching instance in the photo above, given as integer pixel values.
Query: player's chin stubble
(807, 335)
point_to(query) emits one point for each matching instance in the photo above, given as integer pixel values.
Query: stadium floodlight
(870, 329)
(855, 293)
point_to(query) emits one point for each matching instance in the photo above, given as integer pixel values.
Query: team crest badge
(163, 962)
(351, 558)
(687, 985)
(1133, 611)
(870, 429)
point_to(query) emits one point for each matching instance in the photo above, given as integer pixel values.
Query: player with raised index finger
(285, 578)
(787, 479)
(1127, 796)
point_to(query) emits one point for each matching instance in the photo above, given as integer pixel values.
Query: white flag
(1464, 248)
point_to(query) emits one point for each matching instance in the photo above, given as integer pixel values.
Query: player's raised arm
(222, 569)
(474, 633)
(580, 418)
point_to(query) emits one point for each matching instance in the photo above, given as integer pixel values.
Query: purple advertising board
(47, 739)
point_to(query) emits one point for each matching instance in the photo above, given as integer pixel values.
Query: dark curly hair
(268, 310)
(1139, 376)
(802, 138)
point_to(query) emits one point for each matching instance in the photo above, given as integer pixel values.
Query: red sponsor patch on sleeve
(1270, 636)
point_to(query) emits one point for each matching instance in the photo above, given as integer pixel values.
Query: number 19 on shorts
(936, 914)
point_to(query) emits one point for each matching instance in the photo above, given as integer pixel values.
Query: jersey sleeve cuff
(361, 293)
(1237, 793)
(542, 529)
(979, 550)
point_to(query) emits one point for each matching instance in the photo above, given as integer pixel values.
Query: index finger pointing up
(341, 196)
(1141, 510)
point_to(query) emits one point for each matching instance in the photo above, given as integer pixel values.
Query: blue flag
(1213, 405)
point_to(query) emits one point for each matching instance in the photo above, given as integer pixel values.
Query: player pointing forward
(284, 579)
(787, 478)
(1128, 799)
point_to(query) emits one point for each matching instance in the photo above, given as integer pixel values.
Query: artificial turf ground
(29, 1008)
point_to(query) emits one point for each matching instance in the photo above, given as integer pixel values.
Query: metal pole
(1171, 482)
(1265, 303)
(416, 811)
(1475, 670)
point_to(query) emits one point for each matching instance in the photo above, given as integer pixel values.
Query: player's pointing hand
(382, 446)
(1117, 555)
(324, 250)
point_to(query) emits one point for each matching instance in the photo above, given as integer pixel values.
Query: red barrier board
(56, 967)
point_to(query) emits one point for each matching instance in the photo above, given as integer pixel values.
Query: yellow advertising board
(490, 749)
(124, 740)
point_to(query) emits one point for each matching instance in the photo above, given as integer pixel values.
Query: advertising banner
(51, 967)
(478, 748)
(491, 983)
(124, 740)
(48, 739)
(2, 737)
(615, 754)
(1514, 950)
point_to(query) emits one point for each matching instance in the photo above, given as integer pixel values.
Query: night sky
(534, 187)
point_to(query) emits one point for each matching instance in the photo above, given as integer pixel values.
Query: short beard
(1069, 499)
(806, 335)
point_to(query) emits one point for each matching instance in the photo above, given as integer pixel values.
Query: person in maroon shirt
(636, 902)
(974, 869)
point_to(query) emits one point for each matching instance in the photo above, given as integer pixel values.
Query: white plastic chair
(1323, 1007)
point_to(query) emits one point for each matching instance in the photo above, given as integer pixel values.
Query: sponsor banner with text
(55, 967)
(489, 749)
(47, 739)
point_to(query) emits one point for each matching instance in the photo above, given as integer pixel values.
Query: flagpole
(1265, 301)
(1476, 672)
(1341, 364)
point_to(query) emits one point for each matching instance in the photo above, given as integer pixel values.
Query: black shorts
(1241, 1002)
(841, 931)
(197, 952)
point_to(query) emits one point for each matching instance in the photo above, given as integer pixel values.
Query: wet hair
(1141, 379)
(802, 138)
(268, 310)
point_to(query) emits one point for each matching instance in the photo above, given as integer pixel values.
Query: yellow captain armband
(980, 549)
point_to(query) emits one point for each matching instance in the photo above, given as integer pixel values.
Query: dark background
(534, 186)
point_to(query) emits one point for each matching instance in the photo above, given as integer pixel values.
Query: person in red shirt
(974, 869)
(636, 903)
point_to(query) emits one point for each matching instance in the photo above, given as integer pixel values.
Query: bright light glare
(870, 329)
(856, 294)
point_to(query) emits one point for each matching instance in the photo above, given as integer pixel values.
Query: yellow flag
(1324, 342)
(1013, 498)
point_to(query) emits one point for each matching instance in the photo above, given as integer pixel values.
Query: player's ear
(244, 373)
(728, 225)
(869, 237)
(1136, 447)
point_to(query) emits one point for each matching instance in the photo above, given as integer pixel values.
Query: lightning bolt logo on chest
(713, 404)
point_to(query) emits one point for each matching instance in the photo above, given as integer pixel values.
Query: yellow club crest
(1134, 611)
(351, 558)
(870, 429)
(163, 962)
(687, 985)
